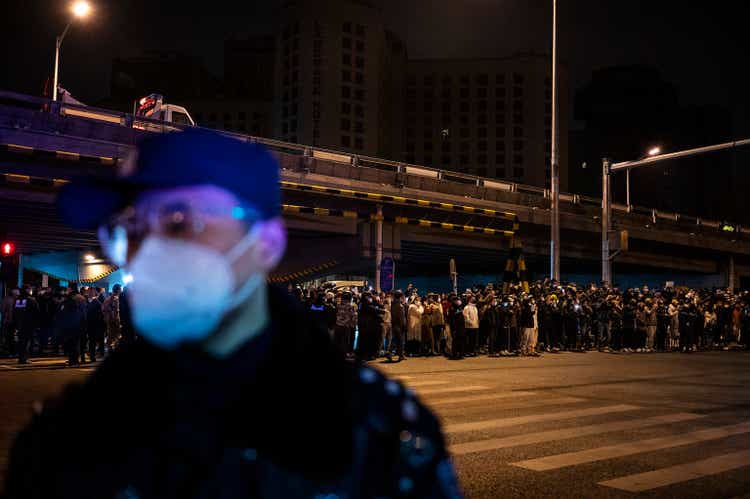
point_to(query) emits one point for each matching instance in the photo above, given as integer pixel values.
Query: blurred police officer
(26, 320)
(230, 390)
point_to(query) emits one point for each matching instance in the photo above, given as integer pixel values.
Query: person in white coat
(414, 326)
(471, 320)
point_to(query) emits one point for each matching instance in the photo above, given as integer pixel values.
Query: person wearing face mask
(223, 367)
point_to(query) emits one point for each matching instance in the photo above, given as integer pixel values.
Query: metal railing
(398, 167)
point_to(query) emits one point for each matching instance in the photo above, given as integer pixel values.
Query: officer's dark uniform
(26, 319)
(285, 416)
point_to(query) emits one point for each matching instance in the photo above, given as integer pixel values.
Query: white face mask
(182, 290)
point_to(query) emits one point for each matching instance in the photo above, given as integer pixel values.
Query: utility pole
(653, 158)
(554, 253)
(378, 246)
(606, 207)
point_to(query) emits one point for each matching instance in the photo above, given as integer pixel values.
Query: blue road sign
(387, 274)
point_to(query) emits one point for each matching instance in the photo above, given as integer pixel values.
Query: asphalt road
(563, 425)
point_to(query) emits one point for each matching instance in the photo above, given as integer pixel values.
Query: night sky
(701, 47)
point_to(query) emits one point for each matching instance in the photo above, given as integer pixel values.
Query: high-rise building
(337, 77)
(488, 117)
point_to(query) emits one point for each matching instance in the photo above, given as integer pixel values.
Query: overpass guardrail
(395, 169)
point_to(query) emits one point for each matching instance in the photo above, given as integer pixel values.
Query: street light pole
(378, 246)
(627, 189)
(606, 207)
(58, 43)
(80, 9)
(555, 167)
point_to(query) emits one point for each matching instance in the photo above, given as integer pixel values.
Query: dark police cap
(177, 159)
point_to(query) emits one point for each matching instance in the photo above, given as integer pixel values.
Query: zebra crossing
(619, 434)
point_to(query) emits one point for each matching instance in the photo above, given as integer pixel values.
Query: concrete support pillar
(731, 274)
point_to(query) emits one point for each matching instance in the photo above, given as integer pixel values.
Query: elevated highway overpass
(41, 149)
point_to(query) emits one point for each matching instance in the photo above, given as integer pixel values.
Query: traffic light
(7, 248)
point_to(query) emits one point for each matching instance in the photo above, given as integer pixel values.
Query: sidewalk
(56, 362)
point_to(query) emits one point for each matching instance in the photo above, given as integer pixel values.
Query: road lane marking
(680, 473)
(429, 382)
(536, 418)
(523, 404)
(630, 448)
(566, 433)
(475, 398)
(450, 389)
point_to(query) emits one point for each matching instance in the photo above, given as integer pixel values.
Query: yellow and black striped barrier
(325, 212)
(295, 276)
(286, 208)
(385, 198)
(64, 155)
(14, 178)
(515, 267)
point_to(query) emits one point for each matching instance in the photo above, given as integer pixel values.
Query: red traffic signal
(7, 248)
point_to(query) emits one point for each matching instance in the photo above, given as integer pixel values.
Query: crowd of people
(87, 323)
(547, 318)
(84, 324)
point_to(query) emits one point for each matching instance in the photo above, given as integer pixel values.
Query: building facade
(337, 83)
(488, 117)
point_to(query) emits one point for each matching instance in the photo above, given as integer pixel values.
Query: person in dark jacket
(572, 325)
(629, 326)
(229, 390)
(688, 325)
(603, 327)
(70, 319)
(398, 327)
(26, 318)
(95, 325)
(370, 325)
(457, 324)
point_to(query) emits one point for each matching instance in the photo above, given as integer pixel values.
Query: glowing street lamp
(80, 10)
(654, 151)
